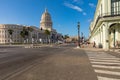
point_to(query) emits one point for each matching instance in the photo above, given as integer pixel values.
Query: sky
(65, 14)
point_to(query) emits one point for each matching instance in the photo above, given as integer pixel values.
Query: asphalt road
(45, 63)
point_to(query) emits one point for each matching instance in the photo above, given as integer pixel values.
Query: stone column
(117, 33)
(112, 39)
(105, 37)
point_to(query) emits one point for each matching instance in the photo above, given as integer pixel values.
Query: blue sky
(65, 13)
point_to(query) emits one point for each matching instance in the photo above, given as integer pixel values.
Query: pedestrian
(94, 44)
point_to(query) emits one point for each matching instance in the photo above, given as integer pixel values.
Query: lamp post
(78, 26)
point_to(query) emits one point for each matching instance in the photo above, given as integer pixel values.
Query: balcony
(106, 15)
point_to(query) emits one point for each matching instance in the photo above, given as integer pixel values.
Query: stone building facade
(36, 35)
(105, 27)
(5, 36)
(46, 21)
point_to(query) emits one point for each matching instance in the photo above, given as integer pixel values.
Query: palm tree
(30, 29)
(24, 33)
(10, 31)
(47, 32)
(66, 36)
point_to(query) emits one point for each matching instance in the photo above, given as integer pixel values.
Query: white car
(60, 42)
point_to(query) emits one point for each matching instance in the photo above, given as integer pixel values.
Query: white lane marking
(100, 61)
(106, 63)
(113, 57)
(106, 67)
(106, 78)
(104, 60)
(102, 56)
(107, 72)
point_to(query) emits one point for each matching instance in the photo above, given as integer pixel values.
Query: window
(115, 7)
(101, 9)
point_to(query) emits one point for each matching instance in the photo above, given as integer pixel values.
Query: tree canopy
(47, 32)
(10, 31)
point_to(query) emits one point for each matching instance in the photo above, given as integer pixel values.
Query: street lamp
(78, 26)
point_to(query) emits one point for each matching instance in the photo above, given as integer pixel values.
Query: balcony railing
(107, 15)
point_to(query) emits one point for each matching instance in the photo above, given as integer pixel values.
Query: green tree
(47, 32)
(10, 31)
(66, 36)
(24, 33)
(30, 29)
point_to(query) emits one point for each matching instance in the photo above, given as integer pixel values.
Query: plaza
(29, 52)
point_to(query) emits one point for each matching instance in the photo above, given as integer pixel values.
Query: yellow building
(105, 27)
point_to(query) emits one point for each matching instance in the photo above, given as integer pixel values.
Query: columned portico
(105, 37)
(105, 27)
(114, 35)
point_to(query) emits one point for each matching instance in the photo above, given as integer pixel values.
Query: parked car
(60, 42)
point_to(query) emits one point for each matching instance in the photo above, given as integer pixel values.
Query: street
(63, 62)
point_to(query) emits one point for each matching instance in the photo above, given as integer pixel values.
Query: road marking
(101, 57)
(104, 60)
(106, 67)
(101, 62)
(106, 78)
(107, 72)
(111, 63)
(19, 71)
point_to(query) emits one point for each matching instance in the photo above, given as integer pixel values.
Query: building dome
(46, 22)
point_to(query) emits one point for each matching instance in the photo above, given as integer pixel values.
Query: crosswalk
(105, 65)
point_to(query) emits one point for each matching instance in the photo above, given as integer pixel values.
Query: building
(16, 37)
(5, 36)
(105, 27)
(36, 35)
(46, 22)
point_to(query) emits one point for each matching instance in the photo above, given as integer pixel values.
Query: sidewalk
(114, 52)
(99, 49)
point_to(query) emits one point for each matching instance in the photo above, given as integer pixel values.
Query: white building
(105, 27)
(46, 21)
(36, 35)
(16, 37)
(5, 36)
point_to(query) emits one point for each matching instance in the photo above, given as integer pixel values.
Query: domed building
(36, 35)
(46, 22)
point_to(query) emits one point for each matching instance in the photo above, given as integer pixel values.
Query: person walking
(94, 44)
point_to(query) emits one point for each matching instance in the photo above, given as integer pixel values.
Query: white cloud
(78, 1)
(77, 8)
(73, 7)
(75, 0)
(84, 13)
(92, 5)
(89, 20)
